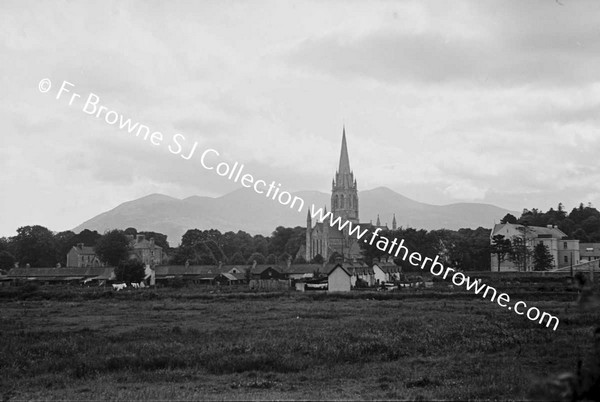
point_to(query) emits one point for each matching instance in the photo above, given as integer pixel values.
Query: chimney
(253, 264)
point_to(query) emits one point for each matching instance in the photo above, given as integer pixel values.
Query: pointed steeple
(394, 223)
(378, 221)
(344, 160)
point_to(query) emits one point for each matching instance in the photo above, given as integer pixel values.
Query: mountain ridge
(248, 211)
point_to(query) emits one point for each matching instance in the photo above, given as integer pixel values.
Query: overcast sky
(479, 101)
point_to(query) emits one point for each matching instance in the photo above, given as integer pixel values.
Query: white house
(338, 279)
(564, 251)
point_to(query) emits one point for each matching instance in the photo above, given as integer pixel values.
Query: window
(565, 245)
(566, 259)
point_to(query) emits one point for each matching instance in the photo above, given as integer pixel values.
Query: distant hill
(243, 209)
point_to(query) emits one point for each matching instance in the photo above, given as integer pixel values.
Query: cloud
(510, 44)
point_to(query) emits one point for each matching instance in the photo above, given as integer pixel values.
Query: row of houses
(355, 274)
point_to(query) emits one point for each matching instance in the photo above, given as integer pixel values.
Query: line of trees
(38, 246)
(465, 249)
(582, 223)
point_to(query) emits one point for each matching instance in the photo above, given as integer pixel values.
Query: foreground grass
(162, 345)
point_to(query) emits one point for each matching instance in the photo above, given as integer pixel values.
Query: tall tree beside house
(64, 242)
(509, 218)
(131, 231)
(542, 258)
(502, 248)
(34, 245)
(87, 237)
(113, 247)
(520, 254)
(159, 239)
(130, 271)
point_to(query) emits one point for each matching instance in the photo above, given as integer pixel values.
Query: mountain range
(246, 210)
(243, 209)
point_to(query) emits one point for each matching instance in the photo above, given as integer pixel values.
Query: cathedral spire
(344, 160)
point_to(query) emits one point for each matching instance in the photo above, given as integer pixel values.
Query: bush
(131, 271)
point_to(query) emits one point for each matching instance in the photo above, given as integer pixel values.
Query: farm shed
(226, 279)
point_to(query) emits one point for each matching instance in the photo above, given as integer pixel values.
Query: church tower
(344, 194)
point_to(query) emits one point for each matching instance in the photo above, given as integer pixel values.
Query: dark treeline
(582, 223)
(37, 246)
(205, 247)
(465, 249)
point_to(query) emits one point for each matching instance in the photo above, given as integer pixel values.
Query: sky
(464, 101)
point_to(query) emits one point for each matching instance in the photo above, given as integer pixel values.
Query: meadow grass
(80, 344)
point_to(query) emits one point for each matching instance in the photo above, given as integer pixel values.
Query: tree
(87, 237)
(159, 239)
(130, 271)
(283, 258)
(64, 242)
(542, 258)
(271, 259)
(7, 260)
(334, 256)
(131, 231)
(501, 247)
(520, 252)
(509, 218)
(35, 245)
(317, 259)
(258, 257)
(113, 247)
(300, 259)
(237, 259)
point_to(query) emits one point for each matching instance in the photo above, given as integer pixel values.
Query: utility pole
(571, 264)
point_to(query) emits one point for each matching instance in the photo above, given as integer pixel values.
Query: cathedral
(325, 240)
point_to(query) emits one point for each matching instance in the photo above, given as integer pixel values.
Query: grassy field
(184, 344)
